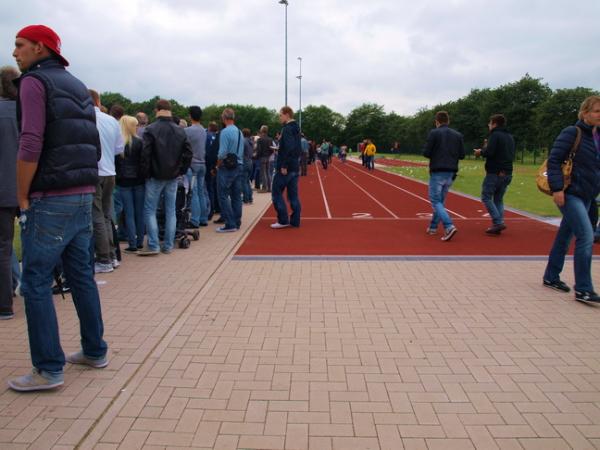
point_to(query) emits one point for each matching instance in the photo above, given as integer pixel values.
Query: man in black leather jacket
(167, 154)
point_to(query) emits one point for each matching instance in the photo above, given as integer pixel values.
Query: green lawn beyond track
(522, 192)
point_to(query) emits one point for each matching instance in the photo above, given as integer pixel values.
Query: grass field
(522, 193)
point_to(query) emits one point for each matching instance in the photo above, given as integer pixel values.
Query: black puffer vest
(71, 149)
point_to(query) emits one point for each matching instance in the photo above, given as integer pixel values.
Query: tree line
(535, 115)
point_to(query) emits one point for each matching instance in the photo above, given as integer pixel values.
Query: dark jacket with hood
(500, 152)
(167, 152)
(444, 148)
(585, 177)
(290, 147)
(71, 148)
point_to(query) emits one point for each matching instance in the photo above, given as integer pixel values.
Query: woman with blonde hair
(574, 201)
(131, 183)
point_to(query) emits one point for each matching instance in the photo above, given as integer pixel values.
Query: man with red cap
(57, 171)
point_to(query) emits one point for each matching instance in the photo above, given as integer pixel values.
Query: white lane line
(323, 192)
(372, 198)
(405, 191)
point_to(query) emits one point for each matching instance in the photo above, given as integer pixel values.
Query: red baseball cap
(45, 35)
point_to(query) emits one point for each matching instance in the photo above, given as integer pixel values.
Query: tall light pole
(285, 2)
(300, 108)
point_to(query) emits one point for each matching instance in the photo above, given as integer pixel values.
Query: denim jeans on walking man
(55, 228)
(575, 222)
(439, 185)
(132, 198)
(200, 201)
(492, 195)
(229, 189)
(154, 188)
(289, 183)
(246, 186)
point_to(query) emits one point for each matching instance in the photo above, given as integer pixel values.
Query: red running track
(348, 211)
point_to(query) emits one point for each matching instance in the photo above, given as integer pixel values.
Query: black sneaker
(449, 233)
(496, 229)
(590, 298)
(219, 220)
(60, 290)
(557, 285)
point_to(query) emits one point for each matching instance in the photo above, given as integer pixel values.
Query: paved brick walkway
(212, 353)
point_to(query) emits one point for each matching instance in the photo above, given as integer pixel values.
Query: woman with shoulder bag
(574, 201)
(131, 183)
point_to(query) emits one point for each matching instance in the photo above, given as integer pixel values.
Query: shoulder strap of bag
(576, 143)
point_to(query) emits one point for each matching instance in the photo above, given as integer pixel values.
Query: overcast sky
(399, 53)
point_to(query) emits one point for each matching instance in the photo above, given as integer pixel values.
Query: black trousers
(7, 230)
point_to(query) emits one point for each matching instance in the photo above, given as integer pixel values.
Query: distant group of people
(70, 169)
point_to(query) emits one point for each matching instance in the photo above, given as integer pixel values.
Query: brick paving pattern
(210, 353)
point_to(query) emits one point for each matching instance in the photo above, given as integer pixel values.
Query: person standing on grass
(574, 201)
(499, 154)
(444, 148)
(57, 172)
(9, 144)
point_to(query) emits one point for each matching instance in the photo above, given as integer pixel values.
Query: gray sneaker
(146, 251)
(80, 358)
(35, 381)
(103, 268)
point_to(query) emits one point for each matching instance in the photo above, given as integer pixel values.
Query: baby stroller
(183, 237)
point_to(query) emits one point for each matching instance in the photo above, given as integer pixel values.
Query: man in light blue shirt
(230, 172)
(112, 144)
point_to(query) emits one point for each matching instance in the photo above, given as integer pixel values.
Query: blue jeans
(154, 188)
(199, 196)
(229, 189)
(56, 228)
(492, 195)
(287, 182)
(575, 222)
(133, 205)
(439, 185)
(246, 186)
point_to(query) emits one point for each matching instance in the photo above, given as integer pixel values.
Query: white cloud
(401, 54)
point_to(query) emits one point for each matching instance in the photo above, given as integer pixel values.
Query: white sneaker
(116, 263)
(278, 225)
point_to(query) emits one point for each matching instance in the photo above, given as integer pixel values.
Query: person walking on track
(444, 148)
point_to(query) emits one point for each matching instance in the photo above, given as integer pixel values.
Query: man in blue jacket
(287, 171)
(444, 148)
